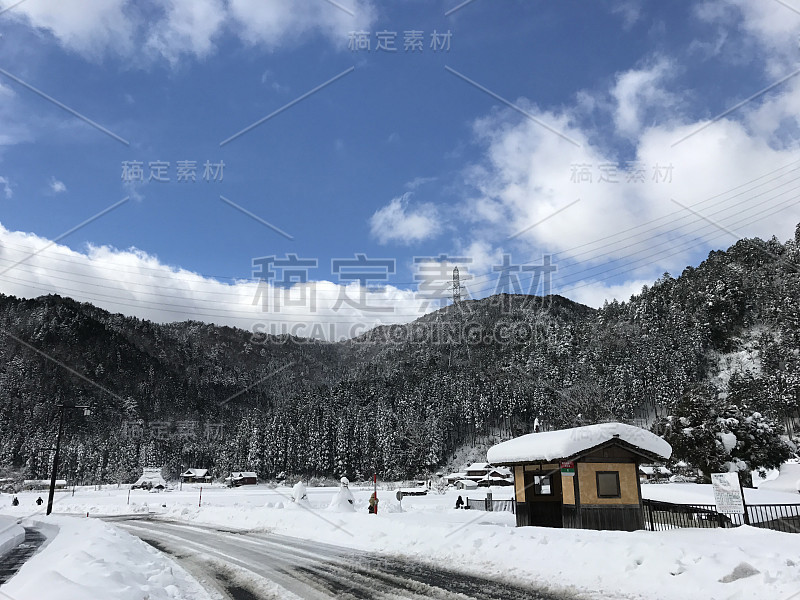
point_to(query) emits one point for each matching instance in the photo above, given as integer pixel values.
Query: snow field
(743, 563)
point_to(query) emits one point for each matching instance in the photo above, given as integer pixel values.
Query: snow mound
(91, 559)
(11, 534)
(786, 479)
(343, 501)
(300, 494)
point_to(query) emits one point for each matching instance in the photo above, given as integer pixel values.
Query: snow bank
(703, 493)
(343, 501)
(786, 479)
(566, 443)
(91, 559)
(11, 534)
(709, 564)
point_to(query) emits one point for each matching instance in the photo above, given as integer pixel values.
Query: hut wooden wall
(628, 482)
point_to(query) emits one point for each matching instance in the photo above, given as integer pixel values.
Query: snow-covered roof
(243, 474)
(501, 471)
(151, 476)
(467, 483)
(481, 466)
(566, 443)
(195, 473)
(649, 470)
(61, 482)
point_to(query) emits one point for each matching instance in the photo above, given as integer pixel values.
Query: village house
(196, 476)
(238, 478)
(466, 484)
(151, 479)
(580, 478)
(654, 473)
(43, 484)
(482, 473)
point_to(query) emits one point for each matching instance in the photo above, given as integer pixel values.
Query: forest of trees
(400, 400)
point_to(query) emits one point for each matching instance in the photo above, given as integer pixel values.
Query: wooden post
(129, 495)
(744, 502)
(199, 502)
(55, 462)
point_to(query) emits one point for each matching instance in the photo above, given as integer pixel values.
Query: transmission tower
(456, 286)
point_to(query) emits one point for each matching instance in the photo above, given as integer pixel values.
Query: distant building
(238, 478)
(454, 477)
(477, 471)
(466, 484)
(483, 474)
(654, 473)
(151, 479)
(196, 476)
(43, 484)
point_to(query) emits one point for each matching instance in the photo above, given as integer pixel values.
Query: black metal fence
(780, 517)
(659, 516)
(490, 505)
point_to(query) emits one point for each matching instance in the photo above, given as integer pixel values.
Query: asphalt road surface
(12, 562)
(252, 566)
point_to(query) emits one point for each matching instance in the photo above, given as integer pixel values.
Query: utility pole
(456, 286)
(87, 410)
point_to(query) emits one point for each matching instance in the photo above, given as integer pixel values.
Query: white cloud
(57, 186)
(133, 282)
(399, 222)
(630, 11)
(189, 27)
(771, 25)
(638, 92)
(268, 77)
(631, 231)
(13, 130)
(276, 22)
(174, 28)
(107, 26)
(418, 182)
(7, 191)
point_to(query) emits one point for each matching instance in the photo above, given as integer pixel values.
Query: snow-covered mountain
(399, 400)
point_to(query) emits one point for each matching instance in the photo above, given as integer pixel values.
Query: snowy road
(11, 562)
(250, 566)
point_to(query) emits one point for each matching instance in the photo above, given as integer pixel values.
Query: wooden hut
(196, 476)
(581, 478)
(240, 478)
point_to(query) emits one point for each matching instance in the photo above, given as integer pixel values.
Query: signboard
(568, 468)
(727, 493)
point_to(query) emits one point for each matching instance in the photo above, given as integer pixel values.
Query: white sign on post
(727, 493)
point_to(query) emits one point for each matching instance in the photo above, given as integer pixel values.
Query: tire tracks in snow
(254, 566)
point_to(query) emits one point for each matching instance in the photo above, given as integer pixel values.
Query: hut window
(608, 484)
(542, 485)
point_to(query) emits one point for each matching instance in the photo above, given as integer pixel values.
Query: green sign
(568, 468)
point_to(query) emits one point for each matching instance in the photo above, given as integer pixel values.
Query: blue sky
(478, 150)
